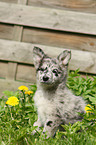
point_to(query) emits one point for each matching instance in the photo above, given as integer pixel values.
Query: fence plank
(22, 52)
(48, 18)
(6, 31)
(11, 71)
(25, 73)
(3, 69)
(9, 1)
(77, 5)
(59, 39)
(17, 33)
(24, 2)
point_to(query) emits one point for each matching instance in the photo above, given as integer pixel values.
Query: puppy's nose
(45, 78)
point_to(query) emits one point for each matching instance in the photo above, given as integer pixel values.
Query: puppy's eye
(43, 69)
(55, 71)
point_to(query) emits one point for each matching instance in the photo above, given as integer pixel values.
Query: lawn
(17, 115)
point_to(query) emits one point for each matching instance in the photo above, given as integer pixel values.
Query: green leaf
(92, 99)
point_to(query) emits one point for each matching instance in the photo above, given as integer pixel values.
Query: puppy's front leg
(51, 126)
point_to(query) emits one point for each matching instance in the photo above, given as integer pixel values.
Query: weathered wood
(25, 73)
(17, 33)
(24, 2)
(11, 85)
(77, 5)
(17, 36)
(18, 30)
(48, 37)
(12, 67)
(22, 52)
(48, 18)
(15, 51)
(6, 31)
(11, 71)
(9, 1)
(3, 69)
(59, 39)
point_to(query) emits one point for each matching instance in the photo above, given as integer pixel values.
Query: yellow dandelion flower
(88, 108)
(12, 101)
(23, 88)
(29, 92)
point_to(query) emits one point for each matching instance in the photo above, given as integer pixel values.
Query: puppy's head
(50, 71)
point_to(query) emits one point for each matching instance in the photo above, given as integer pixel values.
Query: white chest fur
(44, 106)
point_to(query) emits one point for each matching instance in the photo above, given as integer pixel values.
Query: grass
(16, 122)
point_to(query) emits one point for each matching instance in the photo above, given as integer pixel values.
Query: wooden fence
(52, 25)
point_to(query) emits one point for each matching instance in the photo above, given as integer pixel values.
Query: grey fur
(55, 103)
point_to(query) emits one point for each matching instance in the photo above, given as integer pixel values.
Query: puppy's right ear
(38, 55)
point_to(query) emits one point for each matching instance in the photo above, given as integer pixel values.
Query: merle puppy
(55, 103)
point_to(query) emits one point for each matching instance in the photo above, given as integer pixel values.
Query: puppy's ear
(64, 57)
(38, 55)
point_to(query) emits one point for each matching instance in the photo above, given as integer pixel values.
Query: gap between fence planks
(55, 19)
(22, 53)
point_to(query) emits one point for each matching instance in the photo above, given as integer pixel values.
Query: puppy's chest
(45, 106)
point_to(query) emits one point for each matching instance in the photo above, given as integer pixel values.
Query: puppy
(55, 103)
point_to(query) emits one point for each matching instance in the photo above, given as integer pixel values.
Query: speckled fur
(55, 103)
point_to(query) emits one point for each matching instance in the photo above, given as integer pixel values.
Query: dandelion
(88, 108)
(12, 101)
(29, 92)
(23, 88)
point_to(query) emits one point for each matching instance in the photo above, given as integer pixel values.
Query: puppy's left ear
(38, 55)
(64, 57)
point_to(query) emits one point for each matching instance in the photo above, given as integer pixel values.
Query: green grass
(16, 122)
